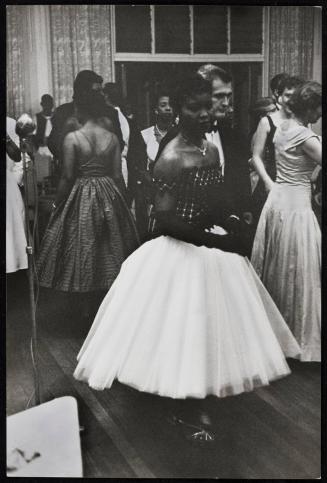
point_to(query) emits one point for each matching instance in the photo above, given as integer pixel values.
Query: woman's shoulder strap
(271, 123)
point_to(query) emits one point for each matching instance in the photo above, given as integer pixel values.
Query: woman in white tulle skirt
(287, 247)
(187, 316)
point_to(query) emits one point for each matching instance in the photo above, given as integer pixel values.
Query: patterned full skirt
(87, 239)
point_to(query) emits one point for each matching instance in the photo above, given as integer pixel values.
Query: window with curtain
(80, 39)
(291, 41)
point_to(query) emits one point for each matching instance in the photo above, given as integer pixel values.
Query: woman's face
(195, 113)
(285, 97)
(164, 110)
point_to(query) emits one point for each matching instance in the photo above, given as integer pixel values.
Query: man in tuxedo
(232, 146)
(44, 121)
(134, 157)
(64, 119)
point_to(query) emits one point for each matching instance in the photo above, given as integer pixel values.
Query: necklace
(202, 150)
(161, 133)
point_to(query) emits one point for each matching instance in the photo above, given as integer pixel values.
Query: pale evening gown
(287, 247)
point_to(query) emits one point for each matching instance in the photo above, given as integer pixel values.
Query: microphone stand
(30, 261)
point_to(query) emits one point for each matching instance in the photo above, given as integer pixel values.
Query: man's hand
(248, 217)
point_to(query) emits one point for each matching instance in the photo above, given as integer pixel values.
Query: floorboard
(270, 433)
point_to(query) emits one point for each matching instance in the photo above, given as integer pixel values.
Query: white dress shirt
(214, 137)
(151, 142)
(125, 130)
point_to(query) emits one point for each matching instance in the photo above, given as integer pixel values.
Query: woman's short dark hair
(289, 82)
(189, 87)
(305, 97)
(277, 80)
(91, 104)
(163, 92)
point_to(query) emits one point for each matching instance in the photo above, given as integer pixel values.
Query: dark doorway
(140, 81)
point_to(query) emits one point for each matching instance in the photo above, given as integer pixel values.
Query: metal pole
(30, 260)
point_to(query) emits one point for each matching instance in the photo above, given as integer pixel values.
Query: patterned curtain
(17, 59)
(80, 39)
(291, 41)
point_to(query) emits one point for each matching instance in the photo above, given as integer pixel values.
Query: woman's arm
(116, 170)
(171, 225)
(312, 147)
(68, 169)
(12, 150)
(259, 143)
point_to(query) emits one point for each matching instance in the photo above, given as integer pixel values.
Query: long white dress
(287, 247)
(186, 321)
(16, 257)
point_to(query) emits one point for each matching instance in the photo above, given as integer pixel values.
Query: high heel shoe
(202, 433)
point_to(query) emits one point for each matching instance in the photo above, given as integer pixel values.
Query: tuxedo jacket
(40, 129)
(64, 112)
(136, 158)
(237, 175)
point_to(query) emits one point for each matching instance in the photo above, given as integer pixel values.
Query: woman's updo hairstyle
(190, 87)
(305, 97)
(91, 104)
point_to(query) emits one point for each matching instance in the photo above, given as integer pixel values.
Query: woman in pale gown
(187, 315)
(287, 247)
(16, 257)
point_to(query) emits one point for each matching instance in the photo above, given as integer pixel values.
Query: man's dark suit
(38, 137)
(137, 182)
(236, 176)
(59, 130)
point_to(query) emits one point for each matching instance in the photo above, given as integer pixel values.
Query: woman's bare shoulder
(169, 164)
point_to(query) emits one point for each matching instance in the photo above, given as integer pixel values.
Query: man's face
(221, 98)
(47, 106)
(284, 98)
(97, 86)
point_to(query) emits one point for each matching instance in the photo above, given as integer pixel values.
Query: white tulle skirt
(287, 256)
(185, 321)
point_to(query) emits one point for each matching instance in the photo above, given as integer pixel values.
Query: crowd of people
(161, 225)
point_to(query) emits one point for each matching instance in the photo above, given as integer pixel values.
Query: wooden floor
(271, 433)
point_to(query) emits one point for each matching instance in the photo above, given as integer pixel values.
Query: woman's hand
(269, 184)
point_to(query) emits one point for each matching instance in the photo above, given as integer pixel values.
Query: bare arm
(312, 147)
(259, 143)
(117, 174)
(68, 175)
(12, 150)
(172, 225)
